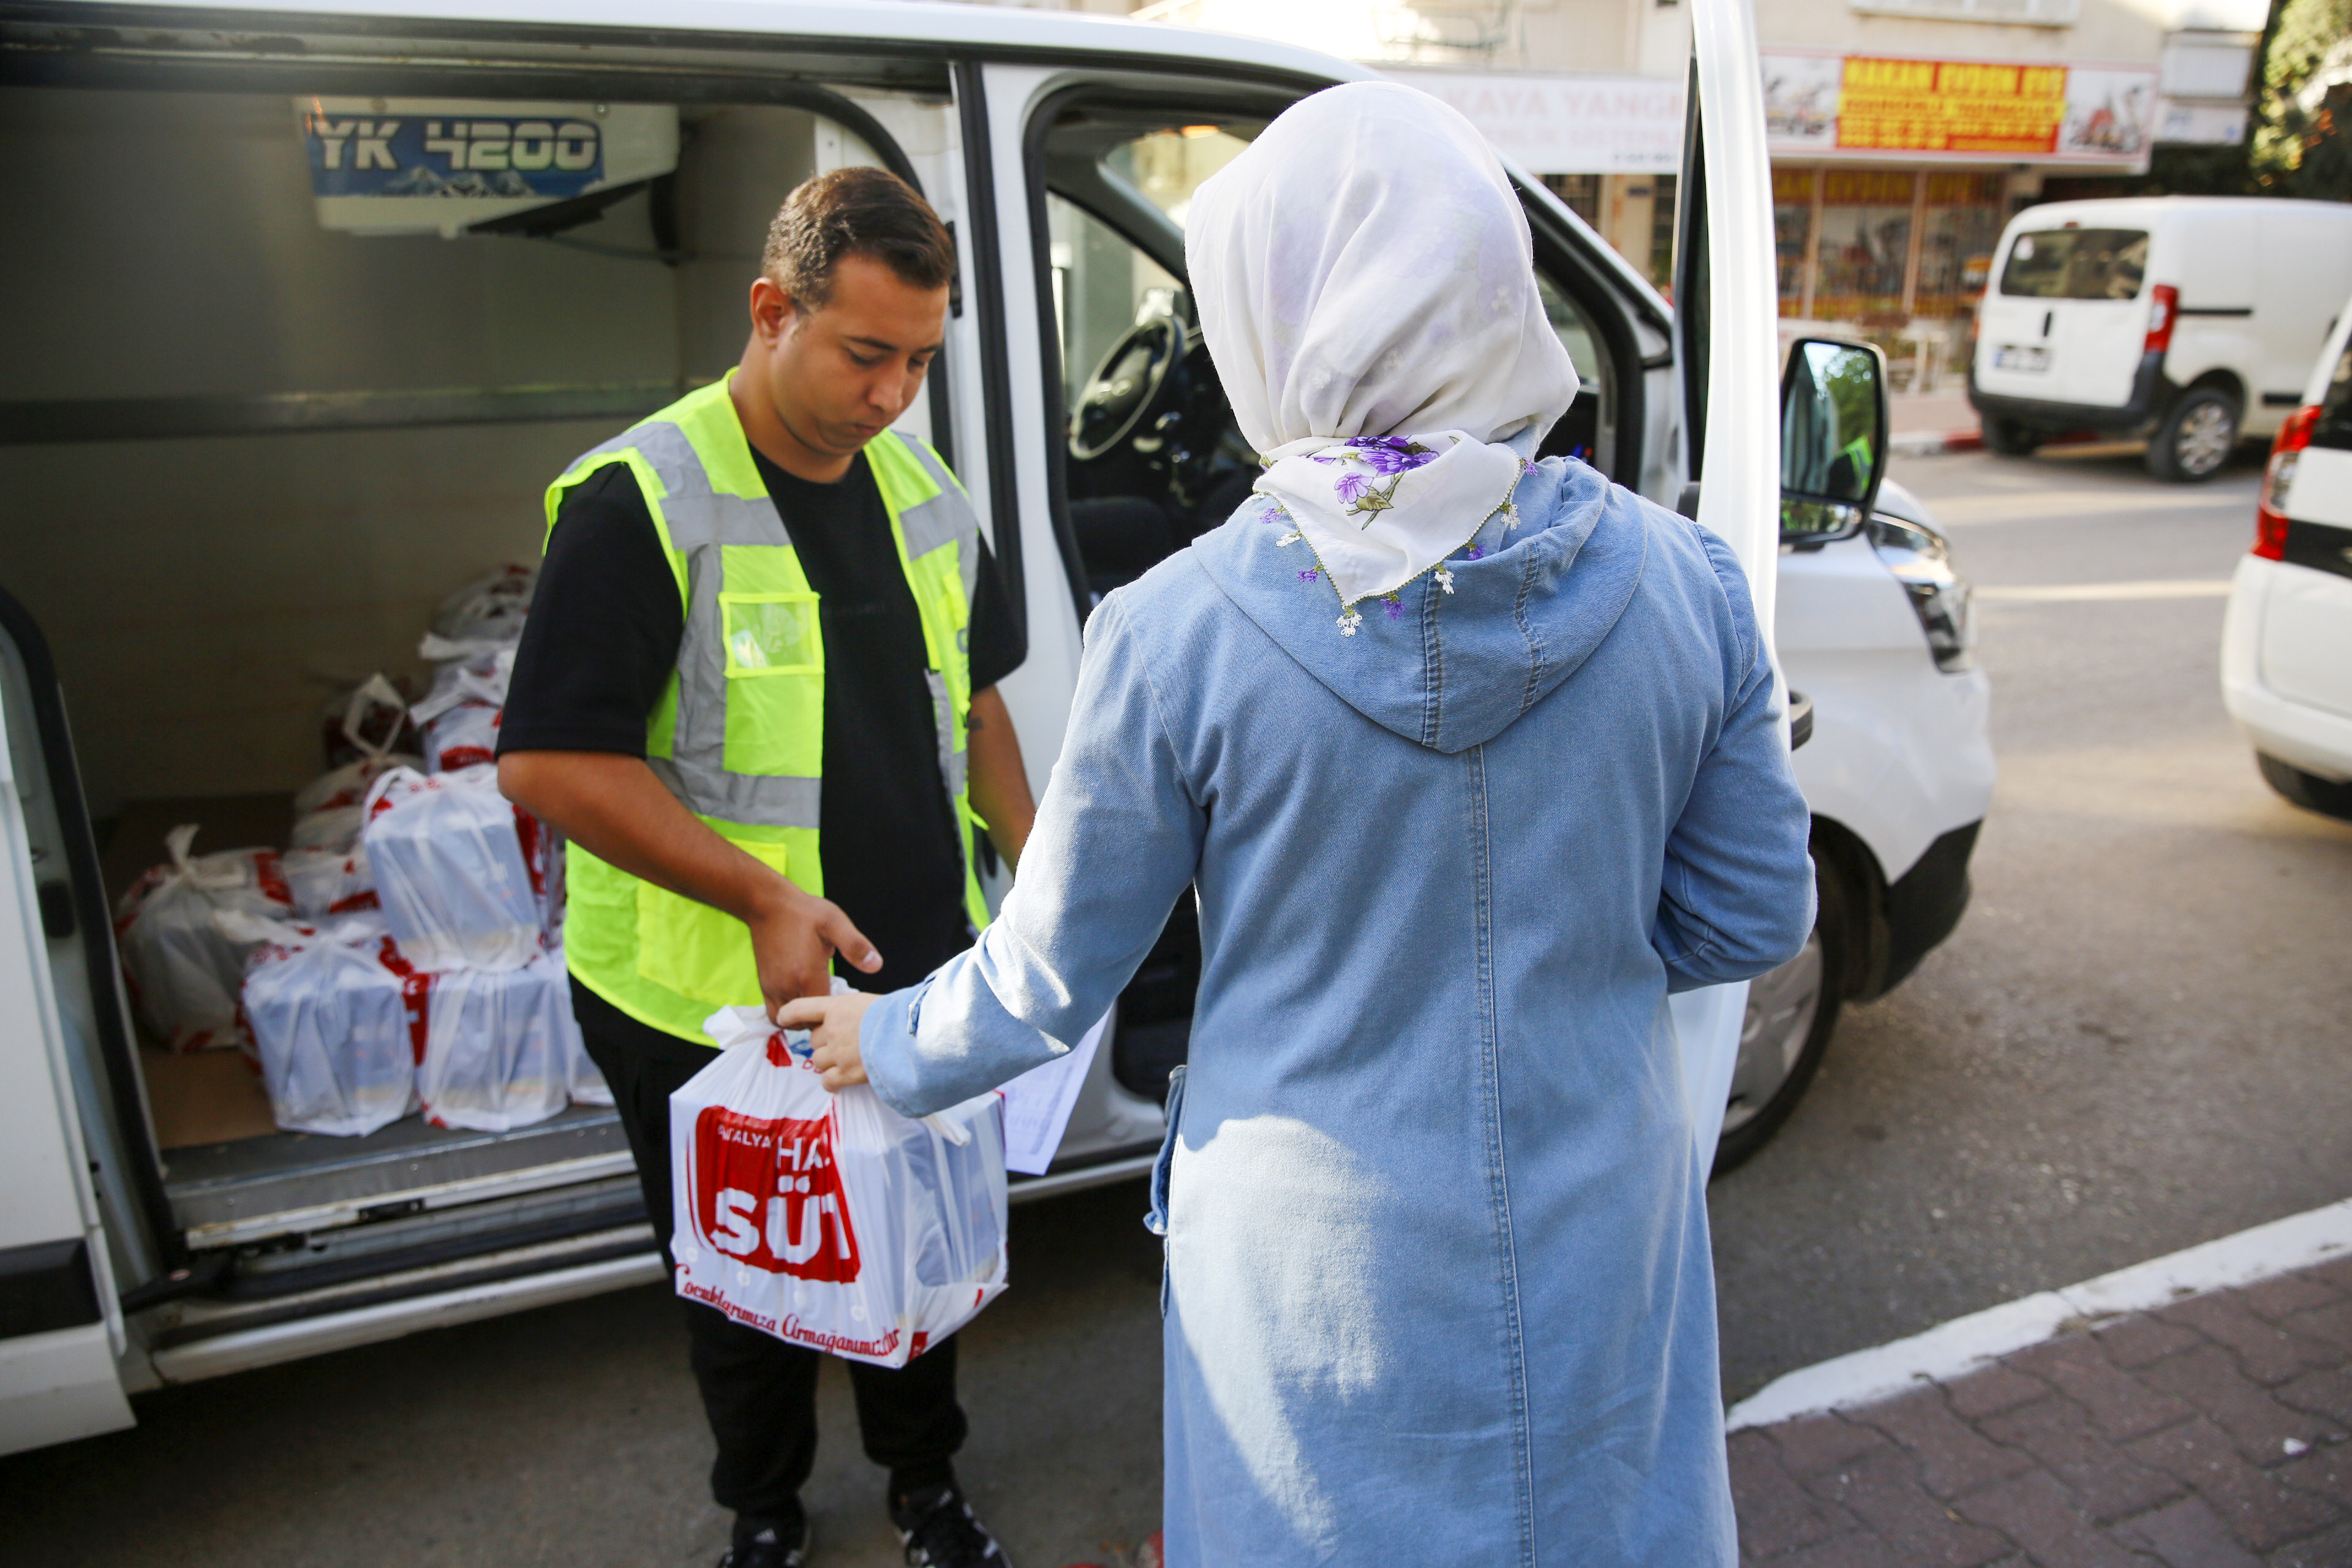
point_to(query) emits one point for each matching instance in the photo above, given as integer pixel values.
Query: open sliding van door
(1726, 345)
(61, 1329)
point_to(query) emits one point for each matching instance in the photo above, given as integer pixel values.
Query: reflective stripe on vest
(737, 736)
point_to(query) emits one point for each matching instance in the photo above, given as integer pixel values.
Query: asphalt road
(2134, 1042)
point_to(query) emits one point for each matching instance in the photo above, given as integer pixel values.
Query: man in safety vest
(757, 694)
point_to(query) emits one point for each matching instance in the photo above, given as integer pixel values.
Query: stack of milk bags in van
(446, 994)
(441, 914)
(455, 964)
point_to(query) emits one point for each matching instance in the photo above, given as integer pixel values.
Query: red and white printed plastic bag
(460, 872)
(498, 1046)
(830, 1220)
(464, 736)
(460, 716)
(183, 970)
(338, 788)
(489, 609)
(329, 882)
(337, 1018)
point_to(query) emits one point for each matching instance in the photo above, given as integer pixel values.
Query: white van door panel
(2006, 324)
(2206, 256)
(2054, 349)
(62, 1326)
(2095, 349)
(1038, 694)
(2304, 270)
(1740, 470)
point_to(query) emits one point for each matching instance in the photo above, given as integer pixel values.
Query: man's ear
(774, 314)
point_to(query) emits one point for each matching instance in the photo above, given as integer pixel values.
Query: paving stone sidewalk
(2213, 1433)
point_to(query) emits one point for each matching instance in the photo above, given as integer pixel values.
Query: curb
(1955, 1349)
(1932, 443)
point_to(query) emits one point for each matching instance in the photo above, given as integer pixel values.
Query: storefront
(1885, 246)
(1892, 179)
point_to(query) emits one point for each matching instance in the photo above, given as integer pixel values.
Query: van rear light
(2163, 309)
(2278, 482)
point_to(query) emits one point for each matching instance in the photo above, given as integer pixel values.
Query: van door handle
(57, 904)
(2047, 317)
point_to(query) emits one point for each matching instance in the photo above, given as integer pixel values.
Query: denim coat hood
(1451, 671)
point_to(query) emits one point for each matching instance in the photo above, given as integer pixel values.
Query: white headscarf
(1363, 270)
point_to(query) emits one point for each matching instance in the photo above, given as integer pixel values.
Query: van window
(2076, 264)
(1150, 456)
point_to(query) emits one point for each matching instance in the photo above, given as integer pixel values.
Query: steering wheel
(1124, 386)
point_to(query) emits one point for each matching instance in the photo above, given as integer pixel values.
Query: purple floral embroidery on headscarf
(1381, 453)
(1350, 487)
(1392, 453)
(1477, 553)
(1395, 608)
(1309, 576)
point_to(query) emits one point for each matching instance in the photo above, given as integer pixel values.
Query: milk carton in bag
(498, 1046)
(460, 872)
(830, 1220)
(329, 882)
(183, 968)
(336, 1023)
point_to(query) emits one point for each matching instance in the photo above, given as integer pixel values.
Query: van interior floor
(233, 1177)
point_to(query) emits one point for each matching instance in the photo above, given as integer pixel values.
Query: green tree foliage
(2302, 142)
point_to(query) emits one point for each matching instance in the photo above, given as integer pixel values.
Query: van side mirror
(1833, 424)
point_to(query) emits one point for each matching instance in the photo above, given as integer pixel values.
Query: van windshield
(2076, 264)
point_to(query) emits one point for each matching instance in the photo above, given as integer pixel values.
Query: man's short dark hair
(855, 212)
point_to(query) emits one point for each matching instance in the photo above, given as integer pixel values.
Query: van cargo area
(263, 410)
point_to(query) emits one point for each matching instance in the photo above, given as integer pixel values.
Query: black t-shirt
(603, 638)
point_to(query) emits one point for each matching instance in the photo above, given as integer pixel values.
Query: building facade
(1903, 133)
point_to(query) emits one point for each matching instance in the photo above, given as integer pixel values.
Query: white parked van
(310, 314)
(2286, 642)
(2188, 320)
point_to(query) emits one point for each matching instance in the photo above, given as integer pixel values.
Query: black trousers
(759, 1392)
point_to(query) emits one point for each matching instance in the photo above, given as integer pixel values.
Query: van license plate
(2020, 356)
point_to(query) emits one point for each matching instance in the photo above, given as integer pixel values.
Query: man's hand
(615, 808)
(833, 1023)
(793, 938)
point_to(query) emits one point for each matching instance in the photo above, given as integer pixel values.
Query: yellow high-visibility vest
(739, 733)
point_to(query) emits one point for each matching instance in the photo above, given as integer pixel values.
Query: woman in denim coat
(1470, 762)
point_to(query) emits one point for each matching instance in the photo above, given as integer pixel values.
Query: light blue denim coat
(1438, 1288)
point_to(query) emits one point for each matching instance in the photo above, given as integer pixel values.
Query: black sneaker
(936, 1527)
(763, 1545)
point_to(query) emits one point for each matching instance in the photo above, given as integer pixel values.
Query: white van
(2286, 642)
(282, 375)
(2188, 320)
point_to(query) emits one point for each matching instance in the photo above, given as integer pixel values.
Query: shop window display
(1866, 244)
(1962, 225)
(1792, 218)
